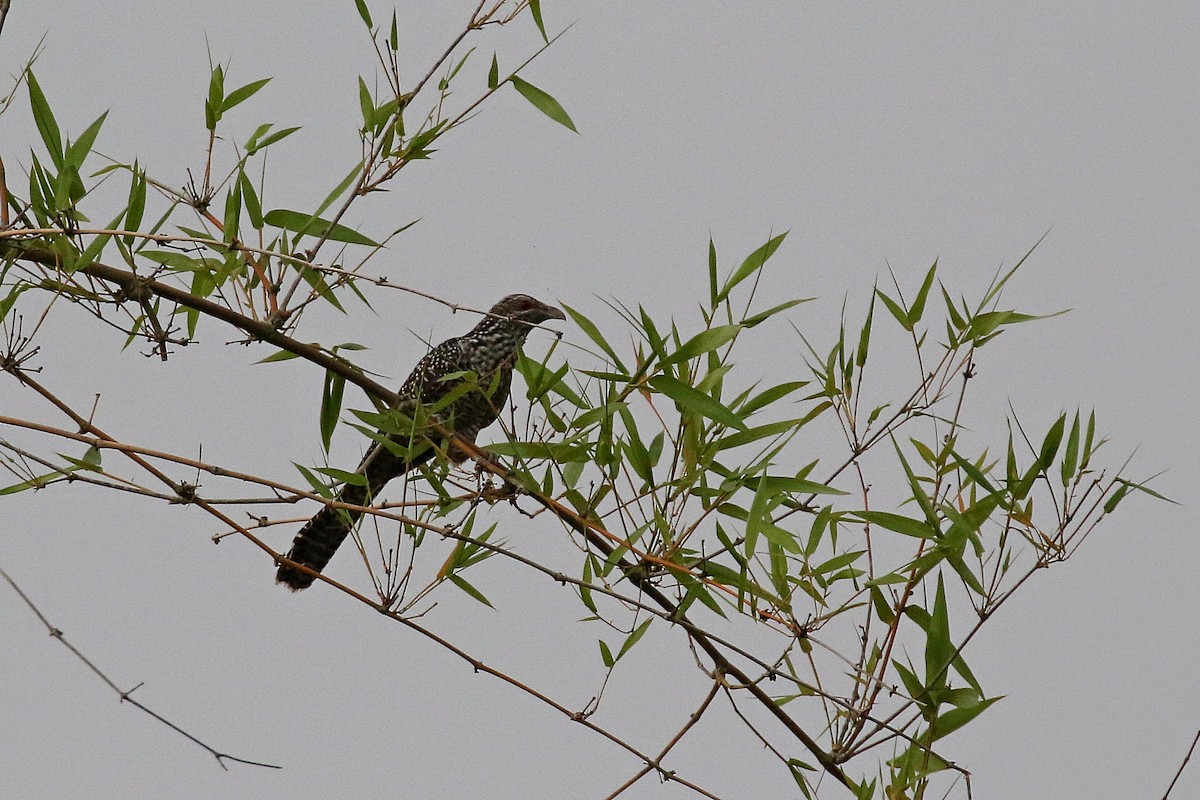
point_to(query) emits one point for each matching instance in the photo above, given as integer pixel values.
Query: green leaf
(282, 355)
(864, 337)
(342, 476)
(367, 104)
(900, 524)
(918, 307)
(339, 189)
(770, 395)
(712, 274)
(543, 102)
(985, 324)
(256, 142)
(896, 309)
(535, 8)
(754, 434)
(839, 561)
(462, 583)
(1051, 442)
(703, 342)
(956, 718)
(634, 637)
(1146, 490)
(137, 202)
(1117, 496)
(243, 93)
(751, 321)
(593, 333)
(78, 152)
(7, 303)
(778, 484)
(697, 401)
(306, 224)
(331, 406)
(939, 650)
(364, 12)
(606, 655)
(753, 263)
(216, 96)
(493, 79)
(1071, 456)
(44, 118)
(250, 200)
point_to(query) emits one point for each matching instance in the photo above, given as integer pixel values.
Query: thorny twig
(126, 695)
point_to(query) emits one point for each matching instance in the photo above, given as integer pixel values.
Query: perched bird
(484, 359)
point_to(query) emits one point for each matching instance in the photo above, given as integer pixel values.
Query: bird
(483, 359)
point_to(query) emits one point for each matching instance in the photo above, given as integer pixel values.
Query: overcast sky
(878, 134)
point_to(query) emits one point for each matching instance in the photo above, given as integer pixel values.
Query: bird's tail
(322, 535)
(320, 538)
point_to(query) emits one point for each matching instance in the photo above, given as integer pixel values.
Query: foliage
(699, 496)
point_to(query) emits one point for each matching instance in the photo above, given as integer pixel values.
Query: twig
(655, 765)
(126, 696)
(1186, 759)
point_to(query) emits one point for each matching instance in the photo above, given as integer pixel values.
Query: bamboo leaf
(635, 637)
(917, 310)
(1051, 442)
(44, 118)
(1071, 456)
(242, 93)
(543, 102)
(364, 13)
(462, 583)
(593, 333)
(896, 310)
(309, 225)
(256, 142)
(535, 8)
(697, 401)
(703, 342)
(956, 718)
(78, 151)
(751, 321)
(331, 406)
(900, 524)
(939, 650)
(753, 263)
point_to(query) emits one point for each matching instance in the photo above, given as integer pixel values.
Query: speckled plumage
(488, 350)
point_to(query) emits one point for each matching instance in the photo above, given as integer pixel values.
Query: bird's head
(523, 308)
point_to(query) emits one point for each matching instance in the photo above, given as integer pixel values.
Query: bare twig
(1186, 759)
(126, 695)
(687, 726)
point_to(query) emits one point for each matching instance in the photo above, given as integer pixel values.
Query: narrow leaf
(44, 118)
(243, 93)
(900, 524)
(315, 226)
(543, 102)
(752, 264)
(696, 401)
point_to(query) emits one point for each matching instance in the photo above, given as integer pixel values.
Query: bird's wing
(425, 382)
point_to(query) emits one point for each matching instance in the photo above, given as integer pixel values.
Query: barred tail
(322, 535)
(320, 538)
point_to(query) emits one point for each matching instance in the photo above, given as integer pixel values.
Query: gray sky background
(877, 134)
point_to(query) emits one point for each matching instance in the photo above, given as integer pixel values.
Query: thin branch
(126, 696)
(1186, 759)
(687, 726)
